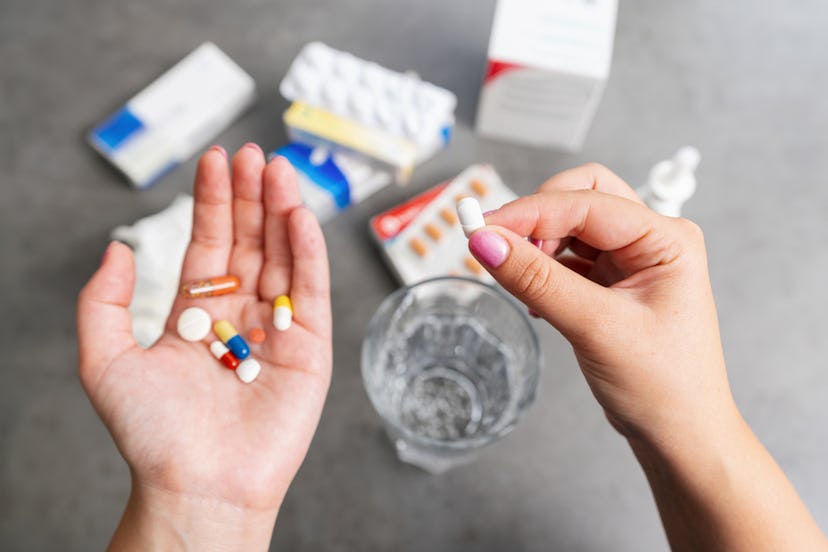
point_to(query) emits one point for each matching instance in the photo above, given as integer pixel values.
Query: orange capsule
(220, 285)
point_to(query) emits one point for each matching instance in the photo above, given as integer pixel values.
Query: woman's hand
(633, 297)
(627, 287)
(211, 457)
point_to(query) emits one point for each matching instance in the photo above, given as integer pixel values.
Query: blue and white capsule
(230, 337)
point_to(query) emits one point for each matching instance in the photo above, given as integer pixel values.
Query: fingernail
(533, 313)
(489, 212)
(106, 252)
(489, 247)
(219, 149)
(255, 146)
(536, 242)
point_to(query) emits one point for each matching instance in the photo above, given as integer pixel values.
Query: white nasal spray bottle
(671, 182)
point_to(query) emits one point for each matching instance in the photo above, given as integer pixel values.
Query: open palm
(184, 422)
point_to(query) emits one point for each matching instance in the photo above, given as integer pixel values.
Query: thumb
(104, 324)
(567, 300)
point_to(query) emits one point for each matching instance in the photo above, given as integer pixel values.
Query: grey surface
(745, 81)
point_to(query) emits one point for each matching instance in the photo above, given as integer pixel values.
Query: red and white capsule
(223, 354)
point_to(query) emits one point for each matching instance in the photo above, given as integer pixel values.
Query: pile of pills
(194, 324)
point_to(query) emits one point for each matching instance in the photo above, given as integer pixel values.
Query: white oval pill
(248, 370)
(470, 214)
(194, 324)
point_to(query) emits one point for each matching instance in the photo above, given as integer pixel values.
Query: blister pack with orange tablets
(421, 238)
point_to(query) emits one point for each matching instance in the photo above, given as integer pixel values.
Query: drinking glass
(451, 365)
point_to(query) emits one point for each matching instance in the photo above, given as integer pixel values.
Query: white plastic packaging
(343, 102)
(361, 90)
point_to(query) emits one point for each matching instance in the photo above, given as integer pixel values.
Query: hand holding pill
(180, 416)
(629, 289)
(612, 276)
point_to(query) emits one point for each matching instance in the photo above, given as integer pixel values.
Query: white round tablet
(194, 324)
(248, 370)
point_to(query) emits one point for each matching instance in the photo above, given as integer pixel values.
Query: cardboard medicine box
(548, 62)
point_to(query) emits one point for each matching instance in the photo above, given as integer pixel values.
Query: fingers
(577, 265)
(570, 302)
(104, 324)
(281, 197)
(248, 217)
(591, 176)
(212, 236)
(310, 280)
(634, 236)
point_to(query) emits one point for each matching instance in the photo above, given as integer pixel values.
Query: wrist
(156, 519)
(695, 446)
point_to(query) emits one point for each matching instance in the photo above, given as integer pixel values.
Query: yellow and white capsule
(282, 313)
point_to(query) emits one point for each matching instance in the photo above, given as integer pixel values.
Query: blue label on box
(110, 134)
(326, 175)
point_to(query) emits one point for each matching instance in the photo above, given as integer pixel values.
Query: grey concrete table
(745, 81)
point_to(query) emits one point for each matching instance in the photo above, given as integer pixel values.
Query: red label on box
(390, 223)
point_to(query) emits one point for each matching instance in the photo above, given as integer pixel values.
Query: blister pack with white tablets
(175, 116)
(347, 102)
(422, 238)
(331, 181)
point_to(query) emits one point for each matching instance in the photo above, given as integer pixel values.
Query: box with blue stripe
(175, 116)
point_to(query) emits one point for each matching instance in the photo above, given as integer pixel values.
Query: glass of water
(451, 365)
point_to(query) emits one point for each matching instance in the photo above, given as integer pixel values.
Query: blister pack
(421, 238)
(341, 101)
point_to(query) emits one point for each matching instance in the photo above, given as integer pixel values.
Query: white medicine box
(548, 62)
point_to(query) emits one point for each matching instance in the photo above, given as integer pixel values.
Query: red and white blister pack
(421, 238)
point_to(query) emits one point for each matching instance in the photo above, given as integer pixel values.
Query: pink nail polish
(489, 212)
(533, 313)
(489, 247)
(255, 146)
(219, 149)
